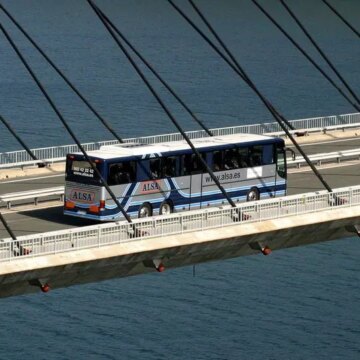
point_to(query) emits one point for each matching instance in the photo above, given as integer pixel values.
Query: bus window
(231, 159)
(192, 165)
(281, 162)
(122, 173)
(81, 171)
(155, 168)
(243, 157)
(169, 167)
(255, 155)
(268, 155)
(218, 163)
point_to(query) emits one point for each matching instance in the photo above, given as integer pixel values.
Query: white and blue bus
(168, 177)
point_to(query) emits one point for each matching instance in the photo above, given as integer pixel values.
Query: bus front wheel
(145, 210)
(253, 195)
(166, 208)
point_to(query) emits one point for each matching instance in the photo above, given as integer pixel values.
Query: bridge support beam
(147, 255)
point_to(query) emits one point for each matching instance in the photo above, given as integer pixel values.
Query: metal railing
(34, 195)
(58, 153)
(162, 226)
(320, 158)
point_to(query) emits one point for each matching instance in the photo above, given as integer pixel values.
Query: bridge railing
(58, 153)
(164, 226)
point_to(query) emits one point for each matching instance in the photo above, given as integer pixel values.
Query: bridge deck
(283, 231)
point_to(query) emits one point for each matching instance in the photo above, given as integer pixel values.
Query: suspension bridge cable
(7, 227)
(62, 75)
(214, 47)
(22, 250)
(244, 76)
(157, 75)
(321, 52)
(98, 12)
(341, 17)
(63, 121)
(308, 57)
(17, 137)
(238, 70)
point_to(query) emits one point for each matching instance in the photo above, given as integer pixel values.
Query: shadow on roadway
(55, 215)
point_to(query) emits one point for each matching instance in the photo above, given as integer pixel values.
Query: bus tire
(145, 210)
(166, 208)
(253, 195)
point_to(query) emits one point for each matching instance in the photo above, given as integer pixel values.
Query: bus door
(194, 171)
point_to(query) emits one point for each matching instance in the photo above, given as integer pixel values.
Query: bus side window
(268, 154)
(197, 166)
(155, 168)
(243, 157)
(122, 173)
(192, 165)
(218, 164)
(231, 159)
(255, 155)
(169, 166)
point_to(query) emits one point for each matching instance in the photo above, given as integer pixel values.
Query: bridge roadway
(26, 220)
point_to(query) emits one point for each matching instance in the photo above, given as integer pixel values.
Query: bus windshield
(79, 170)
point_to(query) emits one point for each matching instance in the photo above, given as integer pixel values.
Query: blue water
(300, 303)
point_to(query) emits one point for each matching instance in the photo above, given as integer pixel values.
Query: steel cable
(18, 138)
(236, 70)
(62, 75)
(98, 12)
(341, 17)
(321, 52)
(307, 56)
(157, 75)
(63, 121)
(245, 77)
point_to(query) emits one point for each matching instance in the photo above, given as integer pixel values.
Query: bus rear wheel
(253, 195)
(166, 208)
(145, 211)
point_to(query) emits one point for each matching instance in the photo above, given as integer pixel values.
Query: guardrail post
(258, 209)
(71, 238)
(99, 236)
(278, 208)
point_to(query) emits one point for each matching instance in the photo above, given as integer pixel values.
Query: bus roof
(136, 149)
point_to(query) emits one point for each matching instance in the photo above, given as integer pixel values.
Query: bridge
(53, 251)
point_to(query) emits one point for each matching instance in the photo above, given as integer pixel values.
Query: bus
(156, 179)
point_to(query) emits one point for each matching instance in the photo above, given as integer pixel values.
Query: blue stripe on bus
(180, 201)
(177, 196)
(239, 192)
(211, 192)
(115, 215)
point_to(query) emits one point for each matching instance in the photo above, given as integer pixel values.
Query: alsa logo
(81, 196)
(149, 187)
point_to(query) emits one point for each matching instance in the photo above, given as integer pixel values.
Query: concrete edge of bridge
(172, 241)
(136, 257)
